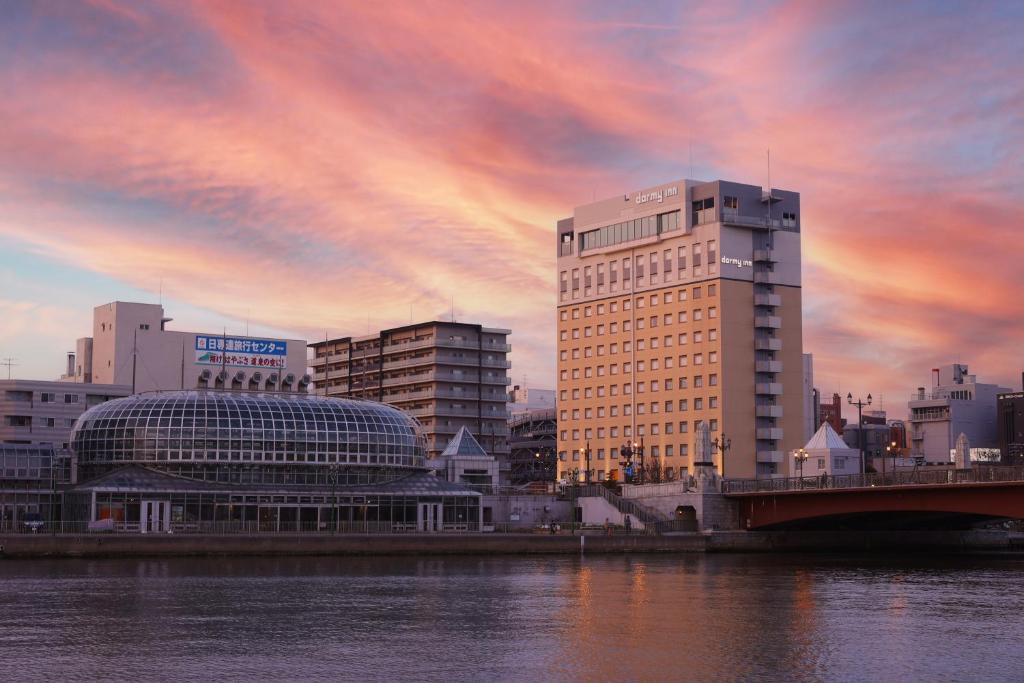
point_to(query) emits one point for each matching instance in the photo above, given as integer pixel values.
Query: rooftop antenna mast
(9, 363)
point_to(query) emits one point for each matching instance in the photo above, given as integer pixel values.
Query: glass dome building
(261, 462)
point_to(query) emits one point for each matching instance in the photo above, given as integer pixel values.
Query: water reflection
(676, 617)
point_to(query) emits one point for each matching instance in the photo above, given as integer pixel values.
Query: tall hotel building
(447, 375)
(680, 304)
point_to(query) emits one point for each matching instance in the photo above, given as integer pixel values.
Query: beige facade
(680, 304)
(131, 346)
(446, 375)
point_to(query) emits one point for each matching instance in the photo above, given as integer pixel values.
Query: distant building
(876, 437)
(898, 433)
(1010, 417)
(464, 461)
(832, 412)
(533, 441)
(956, 403)
(522, 399)
(874, 417)
(43, 413)
(131, 346)
(447, 375)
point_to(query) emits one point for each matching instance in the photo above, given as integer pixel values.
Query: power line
(9, 362)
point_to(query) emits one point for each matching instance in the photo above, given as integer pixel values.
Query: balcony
(770, 433)
(768, 366)
(765, 278)
(768, 388)
(445, 343)
(769, 411)
(772, 322)
(767, 300)
(770, 456)
(768, 344)
(764, 256)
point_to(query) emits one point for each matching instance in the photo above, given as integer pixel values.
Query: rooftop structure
(131, 346)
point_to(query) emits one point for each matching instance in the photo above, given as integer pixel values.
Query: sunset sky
(332, 167)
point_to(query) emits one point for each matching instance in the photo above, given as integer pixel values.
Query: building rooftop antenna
(9, 362)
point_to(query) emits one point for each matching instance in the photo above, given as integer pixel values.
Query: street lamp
(638, 449)
(626, 452)
(860, 430)
(574, 478)
(585, 452)
(890, 451)
(801, 456)
(723, 444)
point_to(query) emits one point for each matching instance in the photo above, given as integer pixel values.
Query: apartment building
(43, 413)
(681, 304)
(447, 375)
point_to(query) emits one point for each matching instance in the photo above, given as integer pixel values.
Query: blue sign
(243, 352)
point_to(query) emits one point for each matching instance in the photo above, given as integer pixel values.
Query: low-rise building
(827, 453)
(956, 403)
(35, 412)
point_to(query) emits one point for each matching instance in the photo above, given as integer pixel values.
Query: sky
(333, 168)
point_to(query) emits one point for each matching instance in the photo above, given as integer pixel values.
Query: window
(712, 335)
(698, 314)
(712, 290)
(730, 204)
(71, 398)
(696, 292)
(563, 314)
(697, 257)
(681, 258)
(713, 312)
(703, 211)
(712, 255)
(713, 357)
(713, 380)
(47, 397)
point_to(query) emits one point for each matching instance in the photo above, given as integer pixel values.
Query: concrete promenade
(129, 545)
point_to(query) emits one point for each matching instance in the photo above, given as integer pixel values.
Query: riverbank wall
(124, 545)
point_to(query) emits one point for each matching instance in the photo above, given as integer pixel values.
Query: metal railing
(916, 477)
(326, 528)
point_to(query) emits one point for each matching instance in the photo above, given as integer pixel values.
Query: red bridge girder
(994, 499)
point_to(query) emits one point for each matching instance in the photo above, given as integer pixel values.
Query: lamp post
(860, 428)
(626, 453)
(801, 457)
(890, 451)
(722, 445)
(585, 452)
(638, 448)
(574, 478)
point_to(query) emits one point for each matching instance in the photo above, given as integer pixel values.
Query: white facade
(525, 399)
(828, 454)
(956, 403)
(131, 346)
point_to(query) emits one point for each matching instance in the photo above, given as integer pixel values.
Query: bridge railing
(975, 475)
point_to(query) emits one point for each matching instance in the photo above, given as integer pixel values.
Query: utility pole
(9, 362)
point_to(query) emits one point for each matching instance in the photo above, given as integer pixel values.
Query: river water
(619, 618)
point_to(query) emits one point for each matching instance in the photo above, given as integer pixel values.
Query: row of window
(641, 345)
(642, 300)
(635, 269)
(668, 384)
(628, 325)
(651, 429)
(641, 408)
(627, 231)
(51, 397)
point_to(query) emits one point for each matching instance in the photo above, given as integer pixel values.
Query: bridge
(944, 498)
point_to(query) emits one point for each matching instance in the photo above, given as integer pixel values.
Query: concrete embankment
(127, 545)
